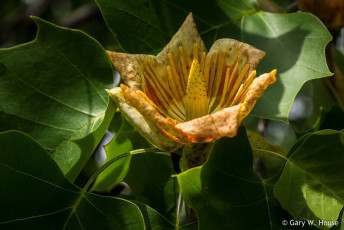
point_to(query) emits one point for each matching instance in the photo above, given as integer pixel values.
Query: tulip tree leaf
(53, 88)
(125, 140)
(295, 43)
(149, 178)
(34, 194)
(311, 184)
(226, 193)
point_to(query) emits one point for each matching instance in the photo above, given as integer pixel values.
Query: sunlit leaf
(53, 89)
(311, 184)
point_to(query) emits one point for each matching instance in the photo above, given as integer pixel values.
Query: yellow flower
(186, 93)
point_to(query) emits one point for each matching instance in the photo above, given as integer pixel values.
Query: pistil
(196, 100)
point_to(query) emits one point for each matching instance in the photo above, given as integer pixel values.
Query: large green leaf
(53, 89)
(227, 194)
(149, 178)
(311, 184)
(125, 140)
(34, 194)
(295, 43)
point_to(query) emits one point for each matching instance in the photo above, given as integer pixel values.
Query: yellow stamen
(202, 61)
(195, 55)
(165, 103)
(226, 89)
(153, 73)
(217, 79)
(139, 92)
(238, 95)
(212, 75)
(238, 82)
(206, 69)
(196, 100)
(182, 63)
(180, 83)
(247, 84)
(153, 76)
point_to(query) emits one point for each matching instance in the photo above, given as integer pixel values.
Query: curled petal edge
(255, 91)
(145, 127)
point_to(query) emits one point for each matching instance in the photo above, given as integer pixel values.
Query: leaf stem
(107, 164)
(179, 209)
(334, 93)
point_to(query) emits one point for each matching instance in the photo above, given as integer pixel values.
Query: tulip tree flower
(187, 95)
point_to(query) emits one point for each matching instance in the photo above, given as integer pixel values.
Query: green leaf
(227, 194)
(287, 4)
(89, 143)
(262, 148)
(35, 194)
(125, 140)
(292, 41)
(148, 175)
(149, 178)
(310, 186)
(53, 89)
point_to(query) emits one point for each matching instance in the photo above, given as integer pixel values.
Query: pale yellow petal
(245, 53)
(186, 36)
(130, 67)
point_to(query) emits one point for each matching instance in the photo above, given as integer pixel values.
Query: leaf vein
(33, 217)
(36, 178)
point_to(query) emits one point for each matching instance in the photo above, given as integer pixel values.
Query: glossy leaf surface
(53, 88)
(310, 186)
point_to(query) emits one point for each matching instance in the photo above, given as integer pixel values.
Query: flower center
(196, 99)
(185, 91)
